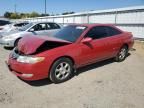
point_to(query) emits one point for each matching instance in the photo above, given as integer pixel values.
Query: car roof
(92, 25)
(41, 22)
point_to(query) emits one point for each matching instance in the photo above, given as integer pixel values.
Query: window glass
(26, 27)
(102, 31)
(54, 26)
(2, 22)
(20, 24)
(97, 32)
(48, 27)
(17, 25)
(39, 27)
(112, 31)
(70, 33)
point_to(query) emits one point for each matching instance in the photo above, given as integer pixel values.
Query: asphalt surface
(106, 84)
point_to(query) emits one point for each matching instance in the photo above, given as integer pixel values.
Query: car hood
(10, 32)
(31, 44)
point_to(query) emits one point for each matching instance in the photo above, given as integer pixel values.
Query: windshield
(70, 33)
(24, 28)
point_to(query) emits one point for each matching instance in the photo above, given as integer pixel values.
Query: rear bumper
(27, 72)
(131, 43)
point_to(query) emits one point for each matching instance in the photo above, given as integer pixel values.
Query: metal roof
(98, 11)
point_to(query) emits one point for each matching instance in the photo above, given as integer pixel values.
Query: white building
(129, 19)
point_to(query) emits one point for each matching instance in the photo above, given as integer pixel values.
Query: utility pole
(45, 7)
(15, 8)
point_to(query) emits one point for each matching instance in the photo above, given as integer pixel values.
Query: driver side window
(39, 27)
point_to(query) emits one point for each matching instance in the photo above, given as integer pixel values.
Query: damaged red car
(72, 47)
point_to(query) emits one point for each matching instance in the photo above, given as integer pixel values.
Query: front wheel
(61, 70)
(16, 42)
(122, 54)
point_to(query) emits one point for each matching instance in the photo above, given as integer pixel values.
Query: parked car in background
(3, 23)
(12, 26)
(11, 38)
(72, 47)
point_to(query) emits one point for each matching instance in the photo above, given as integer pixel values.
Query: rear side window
(53, 26)
(102, 32)
(112, 31)
(97, 32)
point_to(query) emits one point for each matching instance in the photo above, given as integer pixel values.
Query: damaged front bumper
(19, 74)
(25, 71)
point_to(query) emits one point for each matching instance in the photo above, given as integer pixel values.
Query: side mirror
(31, 30)
(87, 40)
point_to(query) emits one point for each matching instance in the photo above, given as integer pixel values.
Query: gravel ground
(102, 85)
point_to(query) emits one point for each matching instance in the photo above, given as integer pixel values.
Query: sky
(60, 6)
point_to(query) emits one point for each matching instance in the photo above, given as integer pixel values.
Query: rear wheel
(61, 70)
(122, 54)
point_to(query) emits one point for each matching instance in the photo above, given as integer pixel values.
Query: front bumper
(7, 43)
(29, 72)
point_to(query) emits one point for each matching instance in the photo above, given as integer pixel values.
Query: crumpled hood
(29, 44)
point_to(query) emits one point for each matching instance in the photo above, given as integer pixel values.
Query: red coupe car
(72, 47)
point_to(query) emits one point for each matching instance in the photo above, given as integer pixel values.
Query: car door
(97, 49)
(52, 28)
(39, 29)
(114, 40)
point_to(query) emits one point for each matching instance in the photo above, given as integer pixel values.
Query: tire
(122, 54)
(61, 70)
(16, 42)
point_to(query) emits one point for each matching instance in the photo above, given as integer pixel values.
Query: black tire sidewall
(52, 76)
(16, 42)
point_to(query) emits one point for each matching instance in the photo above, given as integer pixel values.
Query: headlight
(31, 60)
(7, 37)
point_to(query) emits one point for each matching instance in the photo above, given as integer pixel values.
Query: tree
(13, 16)
(22, 15)
(34, 14)
(7, 14)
